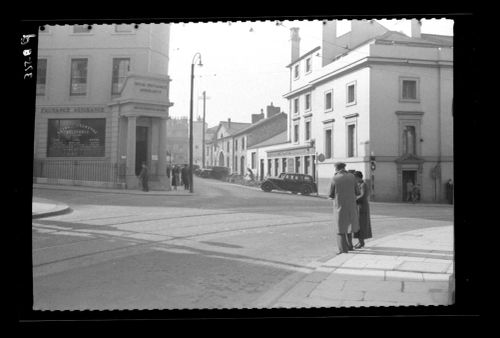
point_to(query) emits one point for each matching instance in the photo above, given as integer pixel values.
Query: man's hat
(339, 165)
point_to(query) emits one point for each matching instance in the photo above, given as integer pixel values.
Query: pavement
(410, 268)
(405, 269)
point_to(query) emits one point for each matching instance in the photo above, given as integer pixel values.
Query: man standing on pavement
(343, 191)
(143, 176)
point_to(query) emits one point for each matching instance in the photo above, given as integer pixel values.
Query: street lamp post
(197, 55)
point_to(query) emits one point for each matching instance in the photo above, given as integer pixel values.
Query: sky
(244, 63)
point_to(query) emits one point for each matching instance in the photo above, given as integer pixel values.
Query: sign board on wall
(76, 137)
(82, 109)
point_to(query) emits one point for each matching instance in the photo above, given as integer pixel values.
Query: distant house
(231, 141)
(261, 164)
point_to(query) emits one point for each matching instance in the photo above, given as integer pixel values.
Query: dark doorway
(261, 173)
(408, 176)
(141, 148)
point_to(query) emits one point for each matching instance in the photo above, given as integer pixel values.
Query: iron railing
(80, 170)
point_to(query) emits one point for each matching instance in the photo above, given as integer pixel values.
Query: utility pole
(204, 97)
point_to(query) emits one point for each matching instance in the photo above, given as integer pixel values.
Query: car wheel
(267, 187)
(306, 190)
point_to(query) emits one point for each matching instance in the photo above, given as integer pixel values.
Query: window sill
(409, 101)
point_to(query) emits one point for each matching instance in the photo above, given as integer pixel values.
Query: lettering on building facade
(87, 109)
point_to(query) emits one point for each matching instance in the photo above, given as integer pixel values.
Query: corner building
(378, 100)
(102, 105)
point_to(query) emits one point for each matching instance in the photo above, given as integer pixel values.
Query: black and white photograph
(243, 164)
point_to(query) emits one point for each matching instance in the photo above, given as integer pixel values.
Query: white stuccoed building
(372, 96)
(102, 104)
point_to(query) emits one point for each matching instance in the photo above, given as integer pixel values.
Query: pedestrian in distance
(409, 191)
(365, 227)
(174, 177)
(185, 178)
(343, 191)
(144, 177)
(178, 176)
(415, 196)
(169, 170)
(449, 191)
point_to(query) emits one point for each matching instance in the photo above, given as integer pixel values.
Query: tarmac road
(222, 247)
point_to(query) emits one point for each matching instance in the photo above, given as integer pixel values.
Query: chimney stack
(229, 123)
(294, 37)
(329, 40)
(416, 26)
(272, 110)
(257, 117)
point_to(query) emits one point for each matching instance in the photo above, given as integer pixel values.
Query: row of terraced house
(378, 100)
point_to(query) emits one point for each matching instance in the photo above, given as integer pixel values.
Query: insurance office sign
(76, 137)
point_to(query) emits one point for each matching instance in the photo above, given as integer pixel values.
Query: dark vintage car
(296, 183)
(219, 173)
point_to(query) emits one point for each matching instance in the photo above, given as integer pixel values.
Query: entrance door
(141, 148)
(408, 176)
(221, 160)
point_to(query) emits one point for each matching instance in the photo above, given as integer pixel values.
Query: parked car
(219, 173)
(295, 183)
(206, 173)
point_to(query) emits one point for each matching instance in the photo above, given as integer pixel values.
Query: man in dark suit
(343, 191)
(185, 176)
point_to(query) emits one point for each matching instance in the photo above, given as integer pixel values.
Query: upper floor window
(296, 133)
(253, 160)
(121, 67)
(351, 93)
(307, 102)
(308, 65)
(329, 100)
(410, 140)
(41, 76)
(243, 144)
(227, 146)
(236, 144)
(296, 72)
(296, 105)
(308, 130)
(351, 140)
(81, 28)
(409, 89)
(78, 84)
